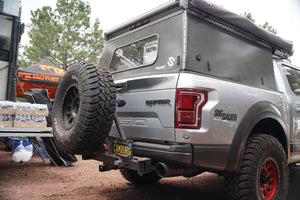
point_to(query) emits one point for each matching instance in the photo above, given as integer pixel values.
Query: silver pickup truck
(197, 88)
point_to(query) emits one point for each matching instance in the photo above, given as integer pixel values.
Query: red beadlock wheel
(268, 179)
(264, 172)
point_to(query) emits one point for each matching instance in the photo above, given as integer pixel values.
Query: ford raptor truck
(186, 88)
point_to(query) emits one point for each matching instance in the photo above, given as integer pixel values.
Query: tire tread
(240, 186)
(97, 109)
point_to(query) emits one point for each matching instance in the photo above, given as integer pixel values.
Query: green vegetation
(266, 25)
(64, 35)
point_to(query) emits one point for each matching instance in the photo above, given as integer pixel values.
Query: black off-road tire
(135, 178)
(264, 172)
(84, 109)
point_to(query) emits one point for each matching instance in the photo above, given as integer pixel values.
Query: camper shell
(202, 37)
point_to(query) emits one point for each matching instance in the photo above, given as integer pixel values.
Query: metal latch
(121, 87)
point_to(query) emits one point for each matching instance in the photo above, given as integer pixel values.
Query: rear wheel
(263, 173)
(84, 108)
(135, 178)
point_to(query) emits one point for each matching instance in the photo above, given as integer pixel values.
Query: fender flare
(258, 112)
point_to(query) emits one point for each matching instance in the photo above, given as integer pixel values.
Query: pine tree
(64, 35)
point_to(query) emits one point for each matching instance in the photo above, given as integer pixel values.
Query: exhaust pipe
(164, 170)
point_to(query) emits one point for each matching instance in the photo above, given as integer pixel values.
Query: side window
(293, 77)
(141, 53)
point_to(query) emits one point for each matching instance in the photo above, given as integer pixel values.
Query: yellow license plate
(123, 148)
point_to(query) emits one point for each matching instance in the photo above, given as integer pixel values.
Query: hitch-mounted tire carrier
(112, 161)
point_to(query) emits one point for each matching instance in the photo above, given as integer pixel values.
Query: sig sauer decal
(225, 116)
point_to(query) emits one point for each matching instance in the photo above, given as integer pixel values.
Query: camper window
(137, 54)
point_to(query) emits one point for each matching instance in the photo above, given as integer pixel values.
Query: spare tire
(84, 108)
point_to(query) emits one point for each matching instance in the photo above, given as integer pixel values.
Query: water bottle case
(23, 115)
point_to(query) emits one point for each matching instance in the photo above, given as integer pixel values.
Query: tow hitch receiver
(110, 161)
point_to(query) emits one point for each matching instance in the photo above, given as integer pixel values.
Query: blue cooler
(17, 141)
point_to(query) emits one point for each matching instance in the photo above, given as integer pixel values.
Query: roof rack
(240, 25)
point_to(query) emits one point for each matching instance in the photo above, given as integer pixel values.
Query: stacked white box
(23, 115)
(7, 111)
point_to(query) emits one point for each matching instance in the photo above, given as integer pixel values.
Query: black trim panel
(258, 112)
(211, 156)
(177, 154)
(138, 114)
(206, 156)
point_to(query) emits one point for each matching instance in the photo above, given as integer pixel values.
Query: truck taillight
(189, 104)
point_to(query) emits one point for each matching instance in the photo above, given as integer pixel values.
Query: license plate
(123, 148)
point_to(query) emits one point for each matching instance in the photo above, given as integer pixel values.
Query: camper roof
(218, 16)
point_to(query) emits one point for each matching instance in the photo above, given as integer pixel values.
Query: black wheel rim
(70, 108)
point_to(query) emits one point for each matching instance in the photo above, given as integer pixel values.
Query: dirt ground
(37, 180)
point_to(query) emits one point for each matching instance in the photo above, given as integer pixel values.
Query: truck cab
(289, 83)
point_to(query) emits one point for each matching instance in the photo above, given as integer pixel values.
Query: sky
(284, 16)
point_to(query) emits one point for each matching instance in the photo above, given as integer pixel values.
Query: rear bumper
(146, 155)
(177, 154)
(212, 157)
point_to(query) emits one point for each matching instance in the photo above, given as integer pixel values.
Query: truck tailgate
(146, 107)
